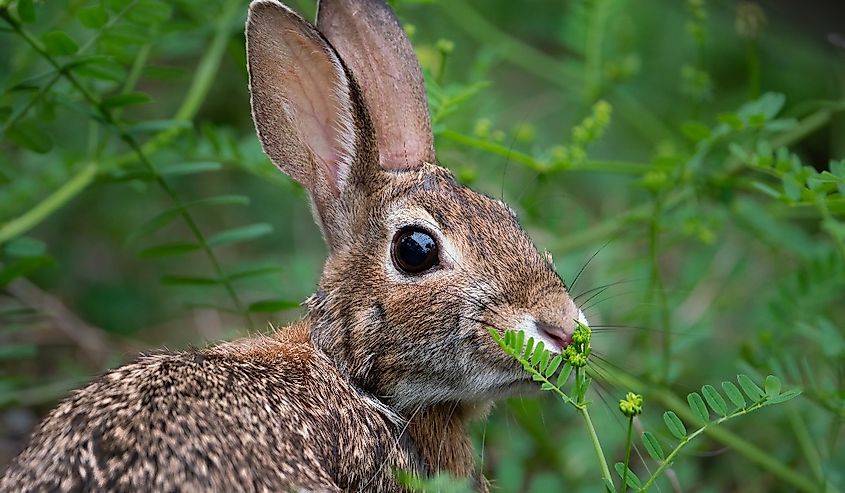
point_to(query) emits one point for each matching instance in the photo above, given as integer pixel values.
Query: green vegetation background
(693, 149)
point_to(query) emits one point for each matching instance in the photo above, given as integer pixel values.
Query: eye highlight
(414, 250)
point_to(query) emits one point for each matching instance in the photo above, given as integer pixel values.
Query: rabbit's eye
(414, 250)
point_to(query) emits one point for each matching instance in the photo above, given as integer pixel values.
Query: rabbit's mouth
(555, 337)
(559, 336)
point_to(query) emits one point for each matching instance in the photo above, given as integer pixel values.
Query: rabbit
(393, 359)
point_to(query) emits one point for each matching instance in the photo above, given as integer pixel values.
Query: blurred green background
(692, 149)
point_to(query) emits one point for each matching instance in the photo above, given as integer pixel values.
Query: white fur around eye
(400, 218)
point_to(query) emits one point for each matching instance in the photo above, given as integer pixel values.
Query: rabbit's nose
(561, 336)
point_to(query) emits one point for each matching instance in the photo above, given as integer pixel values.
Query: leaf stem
(605, 471)
(46, 207)
(751, 452)
(544, 167)
(627, 453)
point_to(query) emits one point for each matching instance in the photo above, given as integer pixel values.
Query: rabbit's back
(262, 415)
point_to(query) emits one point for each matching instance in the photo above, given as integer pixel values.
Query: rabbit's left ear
(371, 42)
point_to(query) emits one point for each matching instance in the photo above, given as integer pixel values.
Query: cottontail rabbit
(393, 358)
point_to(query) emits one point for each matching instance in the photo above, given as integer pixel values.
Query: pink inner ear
(318, 101)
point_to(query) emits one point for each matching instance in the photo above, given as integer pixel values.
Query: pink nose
(562, 337)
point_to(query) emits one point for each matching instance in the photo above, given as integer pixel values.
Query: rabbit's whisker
(395, 444)
(587, 263)
(445, 431)
(609, 285)
(617, 295)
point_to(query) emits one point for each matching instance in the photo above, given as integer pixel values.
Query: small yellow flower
(631, 405)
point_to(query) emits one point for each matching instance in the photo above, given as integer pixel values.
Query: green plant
(546, 368)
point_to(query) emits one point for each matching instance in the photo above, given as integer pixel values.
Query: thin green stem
(751, 452)
(593, 52)
(594, 438)
(535, 164)
(46, 207)
(658, 291)
(627, 453)
(807, 443)
(42, 91)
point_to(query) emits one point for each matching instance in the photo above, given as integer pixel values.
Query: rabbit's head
(419, 266)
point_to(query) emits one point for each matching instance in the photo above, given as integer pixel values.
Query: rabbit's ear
(301, 100)
(373, 45)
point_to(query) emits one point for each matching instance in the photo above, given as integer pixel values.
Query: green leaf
(220, 200)
(58, 43)
(544, 361)
(538, 353)
(155, 126)
(519, 341)
(21, 267)
(749, 387)
(154, 224)
(269, 306)
(496, 337)
(529, 346)
(256, 272)
(772, 386)
(25, 246)
(784, 396)
(563, 376)
(734, 394)
(5, 113)
(791, 187)
(188, 281)
(93, 17)
(30, 136)
(608, 485)
(237, 235)
(554, 365)
(715, 400)
(168, 249)
(26, 11)
(102, 69)
(190, 168)
(698, 407)
(675, 425)
(631, 479)
(148, 12)
(125, 99)
(509, 337)
(652, 446)
(547, 386)
(695, 131)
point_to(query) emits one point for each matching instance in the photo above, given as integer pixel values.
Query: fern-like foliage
(701, 405)
(707, 409)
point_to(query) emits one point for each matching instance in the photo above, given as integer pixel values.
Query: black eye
(414, 250)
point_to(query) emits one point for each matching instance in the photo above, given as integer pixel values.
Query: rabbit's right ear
(302, 104)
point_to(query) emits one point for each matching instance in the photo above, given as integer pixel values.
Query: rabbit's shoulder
(260, 413)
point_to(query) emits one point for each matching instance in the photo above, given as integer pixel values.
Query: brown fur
(387, 369)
